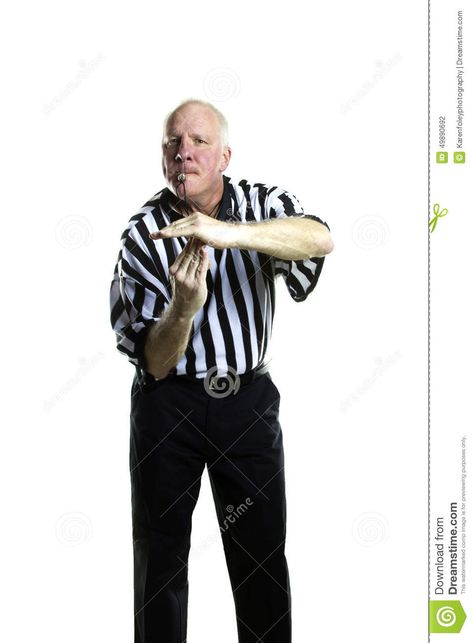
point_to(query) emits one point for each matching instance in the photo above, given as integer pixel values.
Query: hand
(210, 231)
(189, 278)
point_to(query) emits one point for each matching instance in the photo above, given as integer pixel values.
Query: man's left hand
(212, 232)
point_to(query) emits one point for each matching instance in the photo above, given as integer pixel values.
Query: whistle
(181, 177)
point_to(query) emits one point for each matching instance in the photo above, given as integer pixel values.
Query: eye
(171, 142)
(200, 140)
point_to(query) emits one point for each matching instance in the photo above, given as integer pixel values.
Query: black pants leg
(249, 492)
(166, 467)
(176, 427)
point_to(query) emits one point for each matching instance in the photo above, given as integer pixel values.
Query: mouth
(185, 172)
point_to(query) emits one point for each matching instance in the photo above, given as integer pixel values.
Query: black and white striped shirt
(232, 331)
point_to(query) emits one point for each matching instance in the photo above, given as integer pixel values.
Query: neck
(206, 203)
(207, 206)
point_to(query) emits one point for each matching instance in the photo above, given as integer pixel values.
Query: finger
(198, 244)
(204, 262)
(181, 228)
(181, 257)
(191, 257)
(164, 233)
(197, 265)
(195, 261)
(174, 267)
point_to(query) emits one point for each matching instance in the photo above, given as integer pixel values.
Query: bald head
(204, 107)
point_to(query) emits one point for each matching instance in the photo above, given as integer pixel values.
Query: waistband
(213, 383)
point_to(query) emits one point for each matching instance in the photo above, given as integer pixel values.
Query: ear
(226, 155)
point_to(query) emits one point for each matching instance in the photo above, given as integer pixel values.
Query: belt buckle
(213, 382)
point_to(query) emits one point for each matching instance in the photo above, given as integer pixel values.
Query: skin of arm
(166, 341)
(291, 238)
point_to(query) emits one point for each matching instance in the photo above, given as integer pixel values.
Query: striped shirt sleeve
(137, 298)
(300, 276)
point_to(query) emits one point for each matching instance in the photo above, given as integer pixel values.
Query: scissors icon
(438, 213)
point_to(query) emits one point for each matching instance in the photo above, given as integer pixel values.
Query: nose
(184, 151)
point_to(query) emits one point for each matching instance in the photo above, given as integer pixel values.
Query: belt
(215, 382)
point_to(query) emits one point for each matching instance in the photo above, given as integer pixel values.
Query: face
(192, 145)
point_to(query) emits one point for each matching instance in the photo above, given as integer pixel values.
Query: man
(192, 301)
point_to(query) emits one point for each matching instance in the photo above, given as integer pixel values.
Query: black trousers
(176, 429)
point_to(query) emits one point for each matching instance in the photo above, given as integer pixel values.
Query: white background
(328, 101)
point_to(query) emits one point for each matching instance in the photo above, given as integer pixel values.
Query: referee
(192, 306)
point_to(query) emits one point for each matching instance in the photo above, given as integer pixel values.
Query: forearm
(167, 341)
(290, 238)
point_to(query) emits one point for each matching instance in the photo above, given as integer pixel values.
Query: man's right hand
(188, 276)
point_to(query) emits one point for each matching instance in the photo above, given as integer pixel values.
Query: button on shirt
(232, 331)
